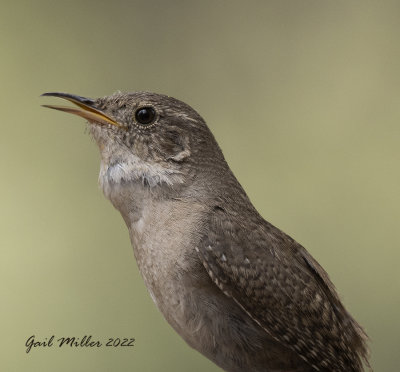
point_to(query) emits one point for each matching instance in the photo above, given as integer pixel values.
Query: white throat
(135, 169)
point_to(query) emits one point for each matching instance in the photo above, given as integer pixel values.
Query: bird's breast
(163, 236)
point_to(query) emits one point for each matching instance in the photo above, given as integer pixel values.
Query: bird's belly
(206, 318)
(216, 326)
(213, 323)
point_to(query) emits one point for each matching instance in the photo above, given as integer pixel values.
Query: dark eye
(145, 115)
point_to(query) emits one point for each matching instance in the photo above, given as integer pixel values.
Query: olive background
(303, 97)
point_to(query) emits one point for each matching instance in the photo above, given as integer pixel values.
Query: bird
(235, 287)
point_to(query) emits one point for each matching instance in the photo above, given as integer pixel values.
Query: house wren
(235, 287)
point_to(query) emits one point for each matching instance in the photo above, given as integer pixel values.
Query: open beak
(85, 109)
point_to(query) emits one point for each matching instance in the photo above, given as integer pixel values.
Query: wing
(280, 286)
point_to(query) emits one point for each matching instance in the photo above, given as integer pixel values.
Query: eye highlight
(145, 115)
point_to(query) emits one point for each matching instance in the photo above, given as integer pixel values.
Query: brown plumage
(235, 287)
(282, 288)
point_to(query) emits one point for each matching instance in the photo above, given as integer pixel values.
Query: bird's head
(145, 137)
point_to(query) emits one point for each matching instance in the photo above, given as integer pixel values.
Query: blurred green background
(303, 97)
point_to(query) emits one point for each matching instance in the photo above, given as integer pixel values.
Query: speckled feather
(282, 288)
